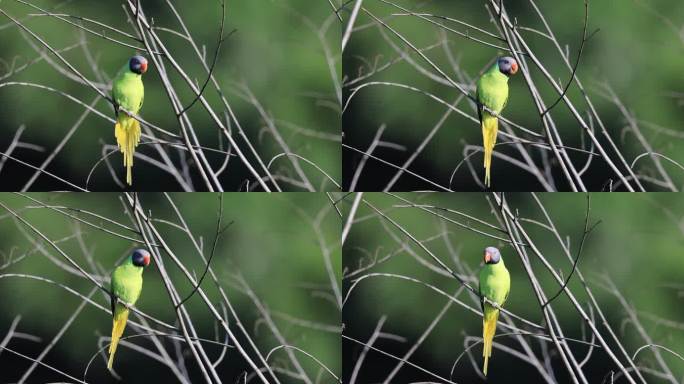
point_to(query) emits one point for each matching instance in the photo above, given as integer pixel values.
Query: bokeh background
(637, 51)
(277, 52)
(637, 246)
(272, 244)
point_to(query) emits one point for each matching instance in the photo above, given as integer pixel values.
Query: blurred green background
(277, 54)
(638, 245)
(271, 243)
(638, 52)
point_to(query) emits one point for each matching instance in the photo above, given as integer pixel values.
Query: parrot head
(140, 258)
(491, 255)
(137, 64)
(507, 65)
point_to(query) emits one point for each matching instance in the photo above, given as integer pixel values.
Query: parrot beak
(147, 259)
(514, 68)
(487, 257)
(143, 67)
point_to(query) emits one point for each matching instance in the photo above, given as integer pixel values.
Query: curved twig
(579, 55)
(221, 39)
(585, 234)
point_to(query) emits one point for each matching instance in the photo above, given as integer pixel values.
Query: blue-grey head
(491, 255)
(137, 64)
(140, 258)
(507, 65)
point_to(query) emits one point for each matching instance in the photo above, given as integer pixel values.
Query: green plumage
(128, 93)
(127, 282)
(492, 92)
(128, 90)
(492, 89)
(126, 285)
(495, 284)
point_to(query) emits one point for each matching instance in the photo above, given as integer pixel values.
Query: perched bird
(495, 283)
(128, 93)
(126, 286)
(492, 92)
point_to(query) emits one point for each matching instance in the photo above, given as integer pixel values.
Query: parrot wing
(115, 97)
(113, 301)
(505, 102)
(479, 292)
(479, 104)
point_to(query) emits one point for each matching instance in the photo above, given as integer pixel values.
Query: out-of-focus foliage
(271, 243)
(637, 245)
(276, 51)
(637, 51)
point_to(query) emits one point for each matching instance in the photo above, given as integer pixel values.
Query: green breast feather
(128, 90)
(492, 90)
(495, 282)
(127, 283)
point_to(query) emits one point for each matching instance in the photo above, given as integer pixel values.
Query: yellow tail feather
(490, 125)
(488, 329)
(118, 325)
(127, 132)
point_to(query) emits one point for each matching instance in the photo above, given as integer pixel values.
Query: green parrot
(129, 93)
(126, 286)
(492, 92)
(495, 283)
